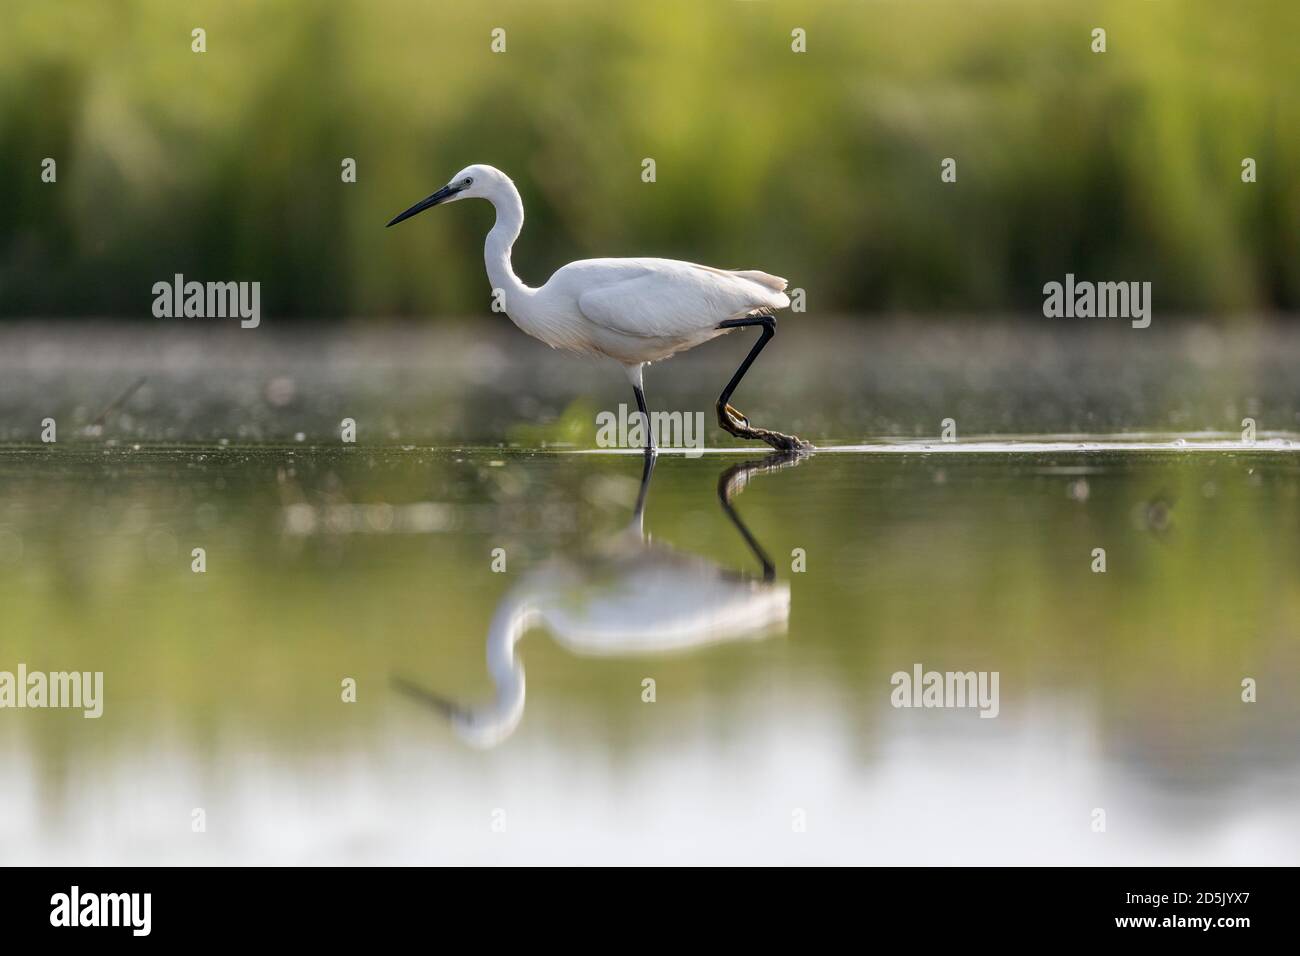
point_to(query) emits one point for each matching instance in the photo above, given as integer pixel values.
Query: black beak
(442, 195)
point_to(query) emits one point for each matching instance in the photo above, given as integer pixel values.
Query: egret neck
(487, 726)
(496, 250)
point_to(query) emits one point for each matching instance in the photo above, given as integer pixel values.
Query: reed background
(822, 167)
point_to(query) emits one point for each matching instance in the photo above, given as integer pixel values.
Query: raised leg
(732, 419)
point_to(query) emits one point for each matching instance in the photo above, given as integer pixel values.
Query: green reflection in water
(325, 564)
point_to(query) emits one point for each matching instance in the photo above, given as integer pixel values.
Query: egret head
(472, 182)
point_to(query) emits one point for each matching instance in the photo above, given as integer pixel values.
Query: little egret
(629, 598)
(635, 311)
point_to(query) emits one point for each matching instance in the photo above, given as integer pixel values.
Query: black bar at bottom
(331, 906)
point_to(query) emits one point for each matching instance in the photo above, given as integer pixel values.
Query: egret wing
(678, 300)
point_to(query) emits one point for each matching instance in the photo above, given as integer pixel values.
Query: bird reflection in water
(626, 598)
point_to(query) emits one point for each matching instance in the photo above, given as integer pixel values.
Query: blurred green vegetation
(822, 166)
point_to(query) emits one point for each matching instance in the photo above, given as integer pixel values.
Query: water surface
(1118, 690)
(481, 573)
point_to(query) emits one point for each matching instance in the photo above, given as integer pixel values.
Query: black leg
(647, 469)
(769, 329)
(645, 417)
(732, 419)
(733, 481)
(727, 483)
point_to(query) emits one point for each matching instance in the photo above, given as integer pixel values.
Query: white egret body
(634, 311)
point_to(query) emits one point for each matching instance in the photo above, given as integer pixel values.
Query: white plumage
(662, 305)
(634, 311)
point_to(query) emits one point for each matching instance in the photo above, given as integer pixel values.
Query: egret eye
(469, 181)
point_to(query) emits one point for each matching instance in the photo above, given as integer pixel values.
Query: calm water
(501, 611)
